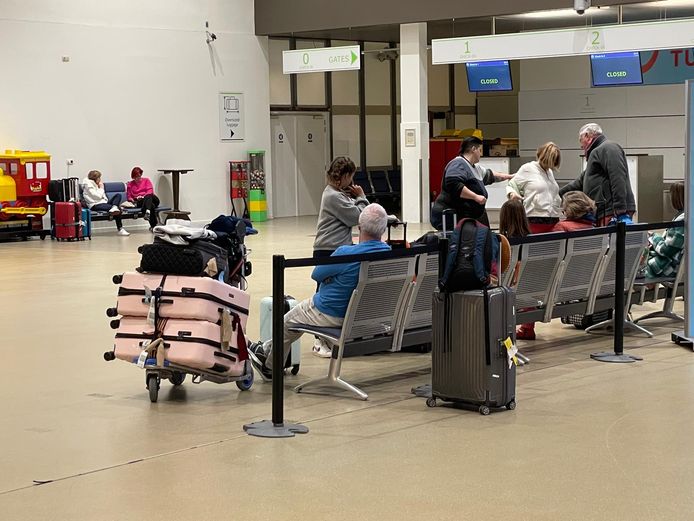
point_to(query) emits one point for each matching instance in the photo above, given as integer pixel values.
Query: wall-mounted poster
(231, 124)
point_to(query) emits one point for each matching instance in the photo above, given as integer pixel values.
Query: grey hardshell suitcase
(470, 363)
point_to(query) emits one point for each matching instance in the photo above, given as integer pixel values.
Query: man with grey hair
(606, 177)
(327, 308)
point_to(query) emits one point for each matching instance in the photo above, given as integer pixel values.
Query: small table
(175, 175)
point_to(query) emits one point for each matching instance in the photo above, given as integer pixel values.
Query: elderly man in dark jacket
(606, 178)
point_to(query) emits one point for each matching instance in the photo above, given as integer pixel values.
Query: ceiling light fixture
(558, 13)
(667, 3)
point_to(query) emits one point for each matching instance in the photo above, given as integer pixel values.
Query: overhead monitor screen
(617, 68)
(489, 76)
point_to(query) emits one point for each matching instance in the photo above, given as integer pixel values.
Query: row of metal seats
(391, 307)
(563, 277)
(391, 296)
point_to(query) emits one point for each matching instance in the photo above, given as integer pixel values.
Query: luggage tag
(511, 351)
(142, 359)
(226, 330)
(151, 312)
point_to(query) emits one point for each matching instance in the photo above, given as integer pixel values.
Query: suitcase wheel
(511, 405)
(153, 387)
(177, 377)
(295, 369)
(484, 410)
(115, 324)
(246, 383)
(109, 355)
(111, 312)
(117, 279)
(431, 402)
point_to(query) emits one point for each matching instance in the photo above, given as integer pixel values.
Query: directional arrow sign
(323, 59)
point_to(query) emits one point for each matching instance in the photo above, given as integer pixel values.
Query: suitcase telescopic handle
(487, 342)
(444, 215)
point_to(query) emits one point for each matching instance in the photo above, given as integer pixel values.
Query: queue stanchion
(618, 355)
(276, 427)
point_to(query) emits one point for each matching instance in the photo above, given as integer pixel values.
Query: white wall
(139, 89)
(556, 99)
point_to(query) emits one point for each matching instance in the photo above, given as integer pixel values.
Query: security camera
(581, 6)
(387, 54)
(209, 37)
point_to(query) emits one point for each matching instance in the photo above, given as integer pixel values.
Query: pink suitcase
(190, 343)
(194, 298)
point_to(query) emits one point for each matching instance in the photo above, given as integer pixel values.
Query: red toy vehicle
(24, 177)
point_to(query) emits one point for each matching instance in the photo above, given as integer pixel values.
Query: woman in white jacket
(94, 196)
(534, 183)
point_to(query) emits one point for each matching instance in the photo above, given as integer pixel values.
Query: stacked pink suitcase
(188, 314)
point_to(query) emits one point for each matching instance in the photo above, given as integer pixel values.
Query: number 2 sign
(595, 40)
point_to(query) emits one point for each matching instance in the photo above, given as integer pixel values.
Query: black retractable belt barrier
(277, 427)
(618, 356)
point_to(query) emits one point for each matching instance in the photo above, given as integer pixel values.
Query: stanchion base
(422, 391)
(267, 429)
(611, 357)
(679, 338)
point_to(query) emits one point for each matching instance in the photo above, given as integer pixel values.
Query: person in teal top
(327, 308)
(665, 251)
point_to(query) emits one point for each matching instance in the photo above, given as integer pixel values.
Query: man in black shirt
(463, 185)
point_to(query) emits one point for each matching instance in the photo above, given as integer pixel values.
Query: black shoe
(258, 359)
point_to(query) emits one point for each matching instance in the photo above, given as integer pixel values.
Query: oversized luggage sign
(231, 116)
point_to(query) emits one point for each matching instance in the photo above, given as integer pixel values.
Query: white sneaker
(114, 209)
(127, 204)
(321, 349)
(123, 232)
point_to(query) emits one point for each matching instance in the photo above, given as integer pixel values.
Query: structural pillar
(414, 126)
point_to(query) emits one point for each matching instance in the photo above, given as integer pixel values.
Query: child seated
(665, 251)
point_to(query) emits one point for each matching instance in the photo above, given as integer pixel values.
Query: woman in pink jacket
(141, 194)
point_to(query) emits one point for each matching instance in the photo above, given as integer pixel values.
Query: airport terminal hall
(373, 260)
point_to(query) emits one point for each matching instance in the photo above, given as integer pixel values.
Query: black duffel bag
(200, 258)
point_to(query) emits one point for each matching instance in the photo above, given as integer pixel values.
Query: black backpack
(471, 251)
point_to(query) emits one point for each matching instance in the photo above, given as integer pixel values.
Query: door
(311, 163)
(299, 161)
(283, 166)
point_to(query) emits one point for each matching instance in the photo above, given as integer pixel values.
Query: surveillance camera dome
(580, 6)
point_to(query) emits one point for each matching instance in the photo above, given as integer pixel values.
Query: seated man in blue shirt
(327, 308)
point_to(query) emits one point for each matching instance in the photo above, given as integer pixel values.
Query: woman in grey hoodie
(340, 206)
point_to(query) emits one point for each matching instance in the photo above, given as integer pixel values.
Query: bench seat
(118, 187)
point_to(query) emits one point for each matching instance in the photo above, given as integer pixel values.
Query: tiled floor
(588, 441)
